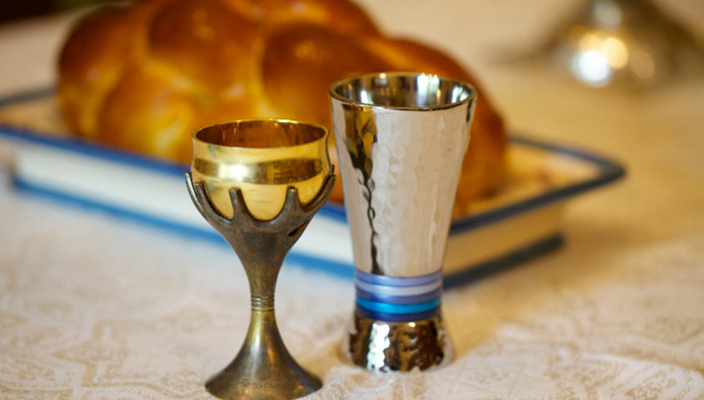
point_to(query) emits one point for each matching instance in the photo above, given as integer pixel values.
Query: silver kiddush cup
(401, 140)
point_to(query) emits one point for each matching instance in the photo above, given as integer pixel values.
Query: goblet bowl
(263, 158)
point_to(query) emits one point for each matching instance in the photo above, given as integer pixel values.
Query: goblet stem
(263, 368)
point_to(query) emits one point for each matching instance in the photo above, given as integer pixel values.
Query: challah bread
(143, 77)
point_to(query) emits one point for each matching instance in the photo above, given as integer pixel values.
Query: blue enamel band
(384, 298)
(395, 281)
(396, 299)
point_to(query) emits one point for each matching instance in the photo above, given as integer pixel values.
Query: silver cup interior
(403, 91)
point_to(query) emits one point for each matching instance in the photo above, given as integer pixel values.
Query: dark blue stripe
(398, 318)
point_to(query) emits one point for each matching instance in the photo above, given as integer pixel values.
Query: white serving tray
(522, 220)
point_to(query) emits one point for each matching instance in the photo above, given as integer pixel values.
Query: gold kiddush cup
(259, 183)
(401, 141)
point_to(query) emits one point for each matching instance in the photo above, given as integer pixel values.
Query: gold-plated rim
(312, 125)
(343, 82)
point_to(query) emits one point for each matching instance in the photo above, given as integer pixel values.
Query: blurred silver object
(401, 140)
(627, 42)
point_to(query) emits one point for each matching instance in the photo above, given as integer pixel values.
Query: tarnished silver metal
(401, 140)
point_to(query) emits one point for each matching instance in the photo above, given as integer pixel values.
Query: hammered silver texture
(401, 145)
(398, 346)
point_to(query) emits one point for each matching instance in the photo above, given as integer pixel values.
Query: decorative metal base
(263, 369)
(398, 346)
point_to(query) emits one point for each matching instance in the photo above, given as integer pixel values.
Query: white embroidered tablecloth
(95, 307)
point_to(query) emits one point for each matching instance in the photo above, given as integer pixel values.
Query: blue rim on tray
(608, 171)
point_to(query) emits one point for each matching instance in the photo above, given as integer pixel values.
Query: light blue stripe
(397, 280)
(399, 290)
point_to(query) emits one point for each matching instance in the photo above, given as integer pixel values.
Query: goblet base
(384, 346)
(262, 372)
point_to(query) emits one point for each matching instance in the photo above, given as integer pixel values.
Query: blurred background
(14, 10)
(490, 32)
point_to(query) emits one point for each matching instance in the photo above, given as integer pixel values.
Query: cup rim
(325, 135)
(342, 82)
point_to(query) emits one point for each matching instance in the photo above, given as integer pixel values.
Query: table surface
(94, 307)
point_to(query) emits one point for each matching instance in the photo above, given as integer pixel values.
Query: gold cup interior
(401, 90)
(262, 158)
(260, 134)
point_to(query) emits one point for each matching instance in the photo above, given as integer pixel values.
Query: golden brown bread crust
(143, 77)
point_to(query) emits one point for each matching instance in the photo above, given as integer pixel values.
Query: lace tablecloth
(94, 307)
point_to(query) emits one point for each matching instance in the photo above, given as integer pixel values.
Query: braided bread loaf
(143, 77)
